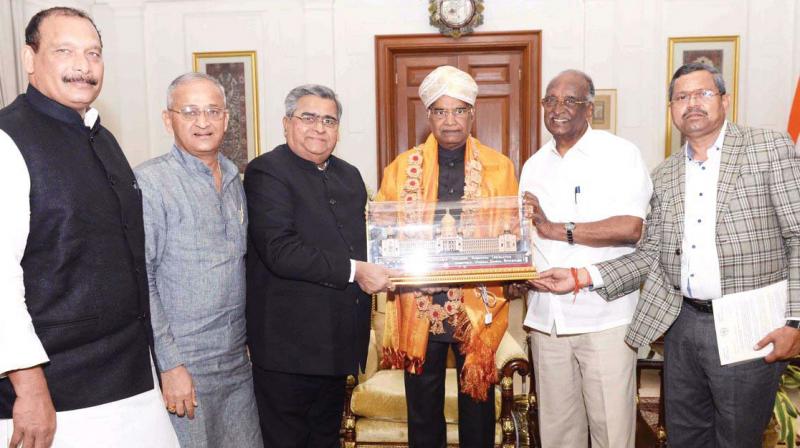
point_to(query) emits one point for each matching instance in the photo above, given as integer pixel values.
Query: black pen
(577, 192)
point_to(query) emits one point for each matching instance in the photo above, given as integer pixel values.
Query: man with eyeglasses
(724, 218)
(588, 191)
(75, 335)
(195, 219)
(308, 286)
(451, 165)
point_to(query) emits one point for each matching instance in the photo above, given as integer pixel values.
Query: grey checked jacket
(758, 230)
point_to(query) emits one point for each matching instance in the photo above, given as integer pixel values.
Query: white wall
(622, 44)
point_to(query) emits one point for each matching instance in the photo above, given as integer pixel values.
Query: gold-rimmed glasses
(570, 102)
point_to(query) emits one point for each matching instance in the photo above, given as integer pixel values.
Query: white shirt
(600, 177)
(700, 273)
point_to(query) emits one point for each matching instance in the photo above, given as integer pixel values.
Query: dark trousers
(299, 410)
(425, 400)
(709, 405)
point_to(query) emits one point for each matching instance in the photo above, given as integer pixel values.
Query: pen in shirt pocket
(577, 192)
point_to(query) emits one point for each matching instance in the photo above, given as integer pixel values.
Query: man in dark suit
(308, 303)
(724, 218)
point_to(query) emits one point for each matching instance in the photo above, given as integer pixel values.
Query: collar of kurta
(195, 165)
(54, 109)
(452, 155)
(307, 164)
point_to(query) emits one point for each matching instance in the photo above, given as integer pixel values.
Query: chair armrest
(348, 429)
(510, 359)
(508, 350)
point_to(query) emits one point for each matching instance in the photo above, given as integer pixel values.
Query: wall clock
(456, 17)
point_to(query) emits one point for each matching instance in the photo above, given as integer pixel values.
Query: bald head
(579, 78)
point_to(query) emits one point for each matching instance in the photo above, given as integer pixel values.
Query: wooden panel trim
(388, 46)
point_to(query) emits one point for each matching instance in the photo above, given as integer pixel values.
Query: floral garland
(413, 191)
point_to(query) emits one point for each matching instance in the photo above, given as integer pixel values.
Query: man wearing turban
(421, 325)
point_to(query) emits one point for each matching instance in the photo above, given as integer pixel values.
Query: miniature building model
(449, 239)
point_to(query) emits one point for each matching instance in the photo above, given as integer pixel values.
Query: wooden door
(505, 66)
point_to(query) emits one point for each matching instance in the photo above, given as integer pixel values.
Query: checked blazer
(757, 234)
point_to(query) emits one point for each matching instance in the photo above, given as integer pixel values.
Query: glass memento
(467, 241)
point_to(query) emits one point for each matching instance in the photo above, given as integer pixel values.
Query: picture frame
(237, 72)
(604, 115)
(477, 240)
(722, 52)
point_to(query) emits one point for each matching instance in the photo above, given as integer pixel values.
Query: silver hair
(685, 69)
(314, 90)
(587, 78)
(193, 76)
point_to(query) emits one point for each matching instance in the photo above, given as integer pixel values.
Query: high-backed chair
(375, 404)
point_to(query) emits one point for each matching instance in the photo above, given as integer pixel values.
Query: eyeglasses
(312, 119)
(441, 114)
(703, 95)
(570, 102)
(192, 113)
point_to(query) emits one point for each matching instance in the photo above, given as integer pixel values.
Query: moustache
(694, 111)
(78, 78)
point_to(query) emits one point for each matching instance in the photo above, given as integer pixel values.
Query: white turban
(450, 81)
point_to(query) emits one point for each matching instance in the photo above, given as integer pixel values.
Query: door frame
(389, 46)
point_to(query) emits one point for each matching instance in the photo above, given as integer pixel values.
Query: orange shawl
(406, 334)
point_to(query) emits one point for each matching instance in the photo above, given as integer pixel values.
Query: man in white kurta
(589, 192)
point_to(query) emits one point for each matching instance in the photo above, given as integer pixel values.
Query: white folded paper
(744, 318)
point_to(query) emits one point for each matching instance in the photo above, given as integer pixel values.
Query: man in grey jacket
(196, 236)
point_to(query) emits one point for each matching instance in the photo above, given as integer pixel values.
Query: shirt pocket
(591, 200)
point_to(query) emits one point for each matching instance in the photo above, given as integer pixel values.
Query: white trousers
(586, 384)
(135, 422)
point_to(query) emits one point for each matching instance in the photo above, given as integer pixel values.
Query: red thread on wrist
(577, 288)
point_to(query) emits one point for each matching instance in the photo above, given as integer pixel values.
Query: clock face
(456, 13)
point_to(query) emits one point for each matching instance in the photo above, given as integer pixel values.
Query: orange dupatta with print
(407, 327)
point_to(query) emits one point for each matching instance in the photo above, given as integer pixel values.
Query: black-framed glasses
(312, 119)
(192, 113)
(439, 113)
(570, 102)
(703, 95)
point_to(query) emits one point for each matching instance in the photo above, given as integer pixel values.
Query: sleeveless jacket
(83, 266)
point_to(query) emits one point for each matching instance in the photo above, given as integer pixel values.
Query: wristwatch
(569, 227)
(793, 323)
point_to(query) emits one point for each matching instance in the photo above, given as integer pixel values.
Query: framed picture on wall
(721, 52)
(604, 116)
(236, 71)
